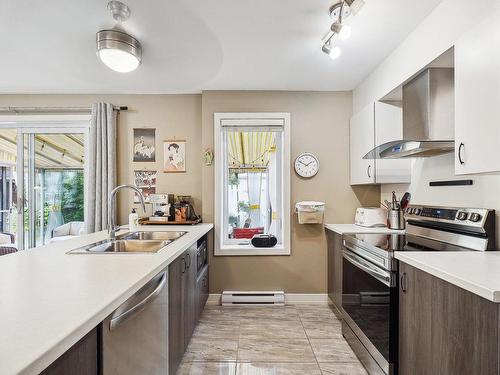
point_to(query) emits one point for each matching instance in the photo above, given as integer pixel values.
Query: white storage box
(310, 212)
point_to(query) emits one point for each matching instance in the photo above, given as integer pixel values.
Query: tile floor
(290, 340)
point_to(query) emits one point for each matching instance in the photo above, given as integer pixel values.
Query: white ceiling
(194, 45)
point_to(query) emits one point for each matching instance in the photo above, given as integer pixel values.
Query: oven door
(370, 305)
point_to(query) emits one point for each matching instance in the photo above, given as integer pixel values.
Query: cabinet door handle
(404, 282)
(368, 171)
(184, 265)
(189, 260)
(460, 153)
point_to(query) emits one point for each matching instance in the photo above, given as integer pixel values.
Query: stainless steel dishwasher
(135, 335)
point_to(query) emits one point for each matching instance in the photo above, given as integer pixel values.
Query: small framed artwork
(144, 145)
(146, 182)
(174, 159)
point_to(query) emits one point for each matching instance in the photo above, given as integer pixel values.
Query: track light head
(343, 31)
(332, 51)
(327, 48)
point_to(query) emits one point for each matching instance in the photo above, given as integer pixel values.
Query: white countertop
(353, 228)
(475, 271)
(49, 299)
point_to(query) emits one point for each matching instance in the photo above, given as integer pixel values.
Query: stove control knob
(417, 211)
(462, 215)
(474, 217)
(408, 210)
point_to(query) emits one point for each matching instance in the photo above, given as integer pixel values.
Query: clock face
(306, 165)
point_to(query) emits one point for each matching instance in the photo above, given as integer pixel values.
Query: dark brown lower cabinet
(444, 329)
(334, 242)
(176, 294)
(80, 359)
(188, 294)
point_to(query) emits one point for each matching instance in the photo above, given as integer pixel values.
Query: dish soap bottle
(133, 221)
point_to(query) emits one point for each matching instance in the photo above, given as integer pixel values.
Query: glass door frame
(7, 177)
(32, 125)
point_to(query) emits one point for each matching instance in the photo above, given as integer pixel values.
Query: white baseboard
(290, 298)
(302, 298)
(213, 299)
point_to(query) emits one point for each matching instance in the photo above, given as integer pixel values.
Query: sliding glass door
(42, 183)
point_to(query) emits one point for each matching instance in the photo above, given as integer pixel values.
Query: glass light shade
(335, 53)
(118, 50)
(345, 32)
(118, 60)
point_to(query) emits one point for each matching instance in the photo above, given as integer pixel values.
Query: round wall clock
(306, 165)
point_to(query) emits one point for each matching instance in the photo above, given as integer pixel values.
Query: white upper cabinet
(477, 98)
(362, 140)
(389, 127)
(374, 125)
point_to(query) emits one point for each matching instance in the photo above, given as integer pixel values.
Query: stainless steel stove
(370, 274)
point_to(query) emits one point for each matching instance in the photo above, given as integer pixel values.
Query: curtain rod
(18, 110)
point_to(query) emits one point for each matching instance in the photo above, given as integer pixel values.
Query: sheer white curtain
(254, 185)
(102, 165)
(273, 198)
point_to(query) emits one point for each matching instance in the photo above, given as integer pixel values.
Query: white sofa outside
(6, 238)
(66, 231)
(7, 245)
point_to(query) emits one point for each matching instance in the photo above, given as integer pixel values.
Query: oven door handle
(359, 262)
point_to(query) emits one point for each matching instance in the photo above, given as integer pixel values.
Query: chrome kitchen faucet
(112, 227)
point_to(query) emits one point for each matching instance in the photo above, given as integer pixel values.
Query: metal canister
(396, 219)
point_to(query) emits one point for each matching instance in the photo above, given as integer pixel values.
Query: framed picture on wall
(146, 182)
(174, 156)
(144, 145)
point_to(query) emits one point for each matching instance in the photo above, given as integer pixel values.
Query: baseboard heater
(238, 298)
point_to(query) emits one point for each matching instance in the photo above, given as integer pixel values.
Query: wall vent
(239, 298)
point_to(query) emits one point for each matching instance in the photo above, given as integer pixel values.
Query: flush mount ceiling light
(338, 12)
(117, 49)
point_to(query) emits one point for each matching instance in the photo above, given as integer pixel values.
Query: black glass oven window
(367, 302)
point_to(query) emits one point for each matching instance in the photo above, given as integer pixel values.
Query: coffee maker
(161, 204)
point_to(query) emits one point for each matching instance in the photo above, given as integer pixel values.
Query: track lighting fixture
(117, 49)
(338, 12)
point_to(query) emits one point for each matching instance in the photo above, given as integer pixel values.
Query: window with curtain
(252, 183)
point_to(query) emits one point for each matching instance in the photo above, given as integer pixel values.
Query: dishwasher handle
(115, 322)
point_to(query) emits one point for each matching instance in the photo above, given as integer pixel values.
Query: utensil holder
(396, 219)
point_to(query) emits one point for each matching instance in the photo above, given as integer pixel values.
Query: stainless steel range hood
(428, 118)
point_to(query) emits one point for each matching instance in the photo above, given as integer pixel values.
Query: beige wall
(320, 124)
(173, 115)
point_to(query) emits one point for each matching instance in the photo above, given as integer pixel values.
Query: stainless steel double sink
(132, 243)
